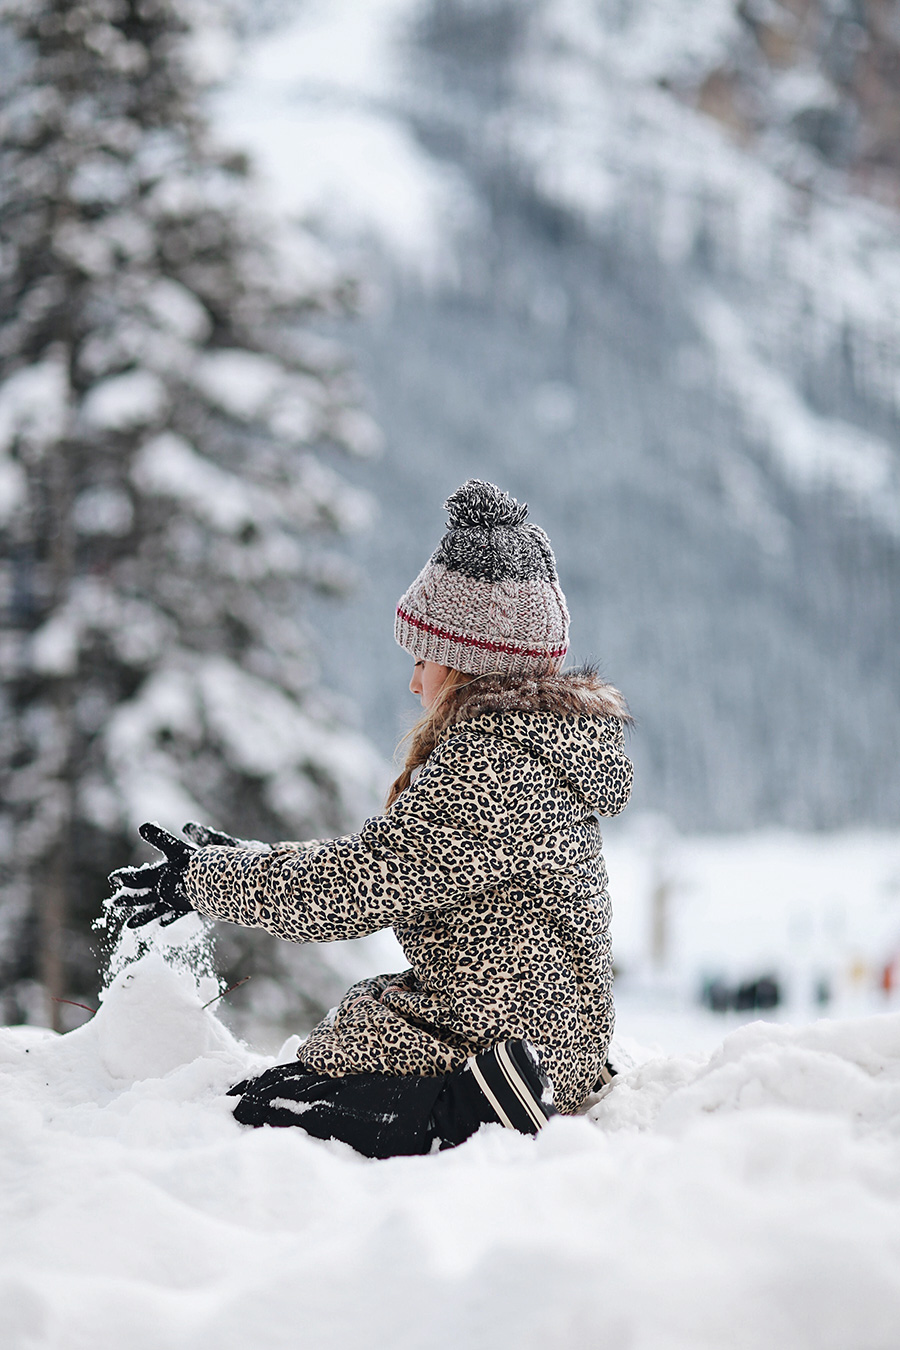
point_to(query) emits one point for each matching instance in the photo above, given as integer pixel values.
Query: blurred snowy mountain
(638, 263)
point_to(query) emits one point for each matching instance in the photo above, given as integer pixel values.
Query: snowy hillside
(623, 270)
(747, 1201)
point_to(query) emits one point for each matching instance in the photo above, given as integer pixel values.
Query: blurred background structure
(639, 263)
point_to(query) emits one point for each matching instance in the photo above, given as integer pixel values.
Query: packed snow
(745, 1200)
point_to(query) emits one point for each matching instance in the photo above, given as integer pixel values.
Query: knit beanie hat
(489, 598)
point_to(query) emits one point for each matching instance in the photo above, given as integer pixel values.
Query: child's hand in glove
(154, 890)
(204, 836)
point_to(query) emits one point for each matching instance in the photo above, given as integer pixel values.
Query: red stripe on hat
(482, 643)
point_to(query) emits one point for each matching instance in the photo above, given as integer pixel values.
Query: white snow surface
(745, 1200)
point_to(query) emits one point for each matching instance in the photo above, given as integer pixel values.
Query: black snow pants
(379, 1115)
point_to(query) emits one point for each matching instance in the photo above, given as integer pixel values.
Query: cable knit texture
(489, 598)
(489, 868)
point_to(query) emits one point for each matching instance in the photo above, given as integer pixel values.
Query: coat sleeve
(615, 782)
(426, 852)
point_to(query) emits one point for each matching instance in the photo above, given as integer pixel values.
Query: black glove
(204, 836)
(154, 890)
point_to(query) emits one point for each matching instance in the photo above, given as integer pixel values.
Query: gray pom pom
(477, 503)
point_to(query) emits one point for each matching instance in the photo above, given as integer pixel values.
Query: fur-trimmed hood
(572, 722)
(572, 693)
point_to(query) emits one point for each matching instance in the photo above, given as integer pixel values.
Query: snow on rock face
(606, 139)
(738, 1204)
(812, 451)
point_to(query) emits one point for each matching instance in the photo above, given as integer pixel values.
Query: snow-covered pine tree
(165, 498)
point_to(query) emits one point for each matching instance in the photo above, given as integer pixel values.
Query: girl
(486, 862)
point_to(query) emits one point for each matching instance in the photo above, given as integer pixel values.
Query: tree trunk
(52, 902)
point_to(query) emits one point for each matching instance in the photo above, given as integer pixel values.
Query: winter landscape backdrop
(274, 279)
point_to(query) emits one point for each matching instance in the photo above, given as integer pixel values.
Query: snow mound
(846, 1071)
(747, 1200)
(152, 1023)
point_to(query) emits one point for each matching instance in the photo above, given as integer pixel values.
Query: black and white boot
(514, 1085)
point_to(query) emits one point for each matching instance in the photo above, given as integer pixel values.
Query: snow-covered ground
(746, 1200)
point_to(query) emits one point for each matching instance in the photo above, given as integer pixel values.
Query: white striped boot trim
(485, 1087)
(520, 1086)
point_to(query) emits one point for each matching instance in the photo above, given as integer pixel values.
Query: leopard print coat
(489, 869)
